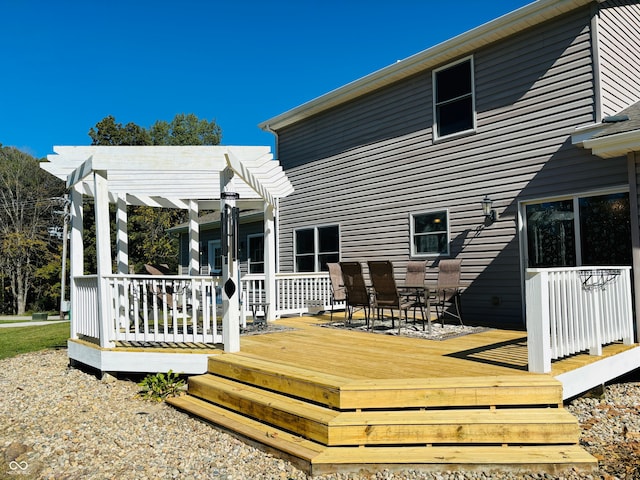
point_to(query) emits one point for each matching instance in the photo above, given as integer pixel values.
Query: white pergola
(192, 178)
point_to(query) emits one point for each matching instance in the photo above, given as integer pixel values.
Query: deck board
(364, 355)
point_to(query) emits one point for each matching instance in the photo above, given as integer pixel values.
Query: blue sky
(67, 64)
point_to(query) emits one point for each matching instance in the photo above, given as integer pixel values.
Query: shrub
(159, 386)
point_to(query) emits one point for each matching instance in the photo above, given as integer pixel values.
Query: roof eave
(613, 146)
(502, 27)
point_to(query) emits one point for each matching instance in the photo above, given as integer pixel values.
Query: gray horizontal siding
(368, 164)
(619, 44)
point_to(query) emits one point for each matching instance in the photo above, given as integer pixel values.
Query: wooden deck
(336, 400)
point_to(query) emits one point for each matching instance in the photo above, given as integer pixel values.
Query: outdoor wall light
(490, 214)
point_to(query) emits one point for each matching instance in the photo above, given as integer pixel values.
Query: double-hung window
(454, 103)
(429, 233)
(315, 247)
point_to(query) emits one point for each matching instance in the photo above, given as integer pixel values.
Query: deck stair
(329, 423)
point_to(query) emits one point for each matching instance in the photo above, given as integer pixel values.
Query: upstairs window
(315, 247)
(454, 104)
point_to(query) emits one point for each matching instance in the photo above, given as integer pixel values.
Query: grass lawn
(14, 341)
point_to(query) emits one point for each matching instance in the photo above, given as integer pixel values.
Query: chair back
(337, 284)
(157, 269)
(449, 272)
(449, 275)
(354, 285)
(384, 283)
(415, 273)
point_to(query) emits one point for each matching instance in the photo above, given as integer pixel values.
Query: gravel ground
(65, 424)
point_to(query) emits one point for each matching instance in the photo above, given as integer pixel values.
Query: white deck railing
(573, 310)
(181, 308)
(148, 308)
(296, 293)
(85, 320)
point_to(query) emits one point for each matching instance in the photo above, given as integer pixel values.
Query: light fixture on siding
(490, 214)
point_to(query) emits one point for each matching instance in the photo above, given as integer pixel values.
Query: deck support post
(538, 338)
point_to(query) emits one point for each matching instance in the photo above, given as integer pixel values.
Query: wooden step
(317, 459)
(295, 448)
(340, 392)
(490, 391)
(302, 418)
(551, 459)
(517, 426)
(318, 387)
(375, 427)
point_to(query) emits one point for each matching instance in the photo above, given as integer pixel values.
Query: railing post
(537, 311)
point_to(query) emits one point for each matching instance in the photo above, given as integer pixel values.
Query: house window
(582, 230)
(454, 104)
(214, 257)
(315, 247)
(255, 257)
(430, 233)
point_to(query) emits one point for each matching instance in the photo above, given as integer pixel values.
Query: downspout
(595, 52)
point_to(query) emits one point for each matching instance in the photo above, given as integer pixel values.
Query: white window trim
(473, 100)
(316, 254)
(415, 254)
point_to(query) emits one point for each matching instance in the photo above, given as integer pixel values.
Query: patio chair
(386, 291)
(355, 289)
(416, 291)
(447, 294)
(165, 295)
(338, 292)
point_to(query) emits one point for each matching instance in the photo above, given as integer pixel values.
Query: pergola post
(76, 256)
(103, 252)
(122, 235)
(194, 239)
(231, 288)
(270, 261)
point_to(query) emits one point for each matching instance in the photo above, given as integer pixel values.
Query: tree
(26, 207)
(185, 130)
(149, 241)
(108, 132)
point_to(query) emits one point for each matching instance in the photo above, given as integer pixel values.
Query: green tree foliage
(185, 130)
(149, 241)
(27, 205)
(108, 132)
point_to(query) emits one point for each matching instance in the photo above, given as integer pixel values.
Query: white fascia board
(247, 176)
(614, 145)
(457, 47)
